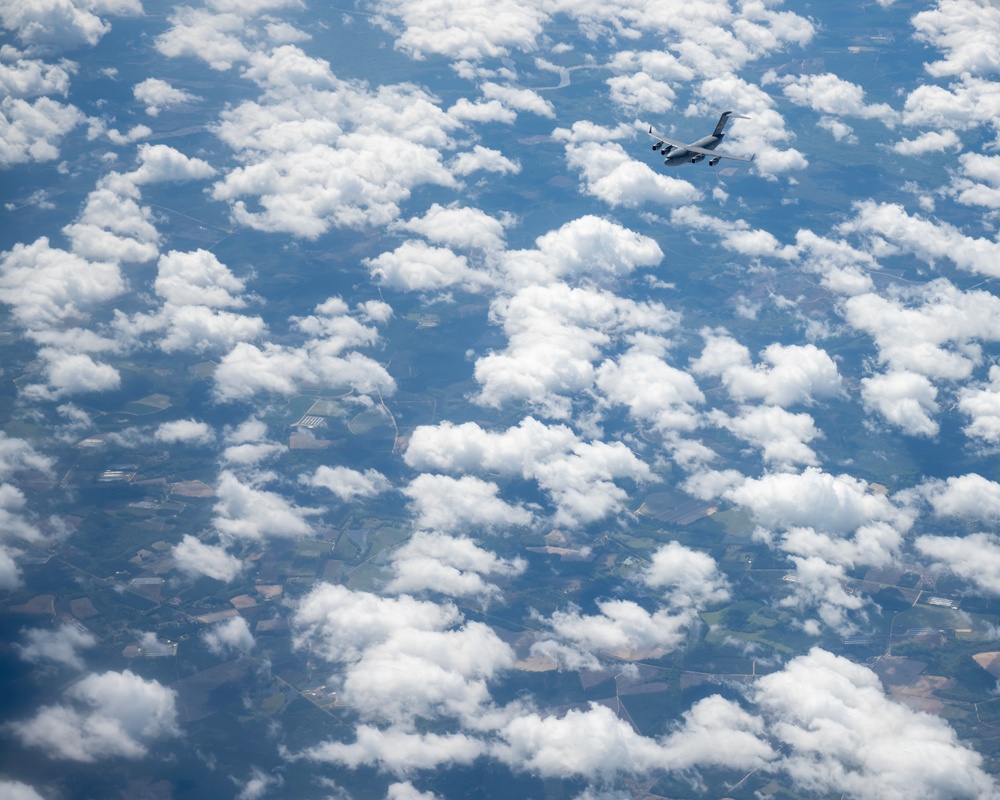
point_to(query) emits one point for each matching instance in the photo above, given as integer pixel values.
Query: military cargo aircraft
(677, 153)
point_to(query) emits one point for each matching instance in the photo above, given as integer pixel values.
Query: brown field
(43, 604)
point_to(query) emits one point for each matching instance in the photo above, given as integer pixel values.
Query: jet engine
(712, 162)
(697, 158)
(657, 146)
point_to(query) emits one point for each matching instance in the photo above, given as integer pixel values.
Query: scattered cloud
(60, 646)
(158, 95)
(107, 715)
(230, 637)
(450, 565)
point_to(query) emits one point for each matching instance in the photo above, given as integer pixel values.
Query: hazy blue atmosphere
(382, 419)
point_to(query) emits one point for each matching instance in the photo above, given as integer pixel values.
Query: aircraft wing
(705, 151)
(661, 138)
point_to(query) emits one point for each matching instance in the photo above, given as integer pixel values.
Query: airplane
(678, 153)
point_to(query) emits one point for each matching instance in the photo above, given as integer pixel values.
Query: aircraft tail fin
(722, 123)
(726, 116)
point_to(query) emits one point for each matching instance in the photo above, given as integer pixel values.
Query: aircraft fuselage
(681, 155)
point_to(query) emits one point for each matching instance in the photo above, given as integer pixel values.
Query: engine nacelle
(667, 148)
(714, 161)
(697, 158)
(657, 146)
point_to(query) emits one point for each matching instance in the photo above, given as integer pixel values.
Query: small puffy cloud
(904, 399)
(821, 586)
(133, 134)
(72, 373)
(592, 743)
(450, 565)
(17, 455)
(979, 183)
(962, 105)
(187, 431)
(610, 174)
(470, 30)
(339, 624)
(158, 95)
(113, 226)
(622, 628)
(194, 557)
(114, 714)
(519, 98)
(417, 266)
(229, 637)
(14, 522)
(244, 511)
(830, 94)
(62, 24)
(468, 447)
(588, 246)
(788, 374)
(34, 131)
(15, 790)
(653, 390)
(839, 734)
(968, 496)
(839, 130)
(459, 227)
(60, 646)
(578, 476)
(825, 523)
(843, 268)
(407, 791)
(646, 80)
(346, 483)
(160, 163)
(813, 498)
(735, 235)
(10, 572)
(317, 152)
(194, 286)
(215, 38)
(285, 33)
(333, 329)
(686, 577)
(427, 674)
(403, 658)
(783, 437)
(398, 750)
(191, 329)
(444, 503)
(929, 142)
(927, 239)
(258, 785)
(967, 31)
(484, 159)
(934, 330)
(555, 337)
(597, 745)
(974, 558)
(30, 77)
(982, 405)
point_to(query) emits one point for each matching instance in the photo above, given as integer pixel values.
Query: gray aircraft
(678, 153)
